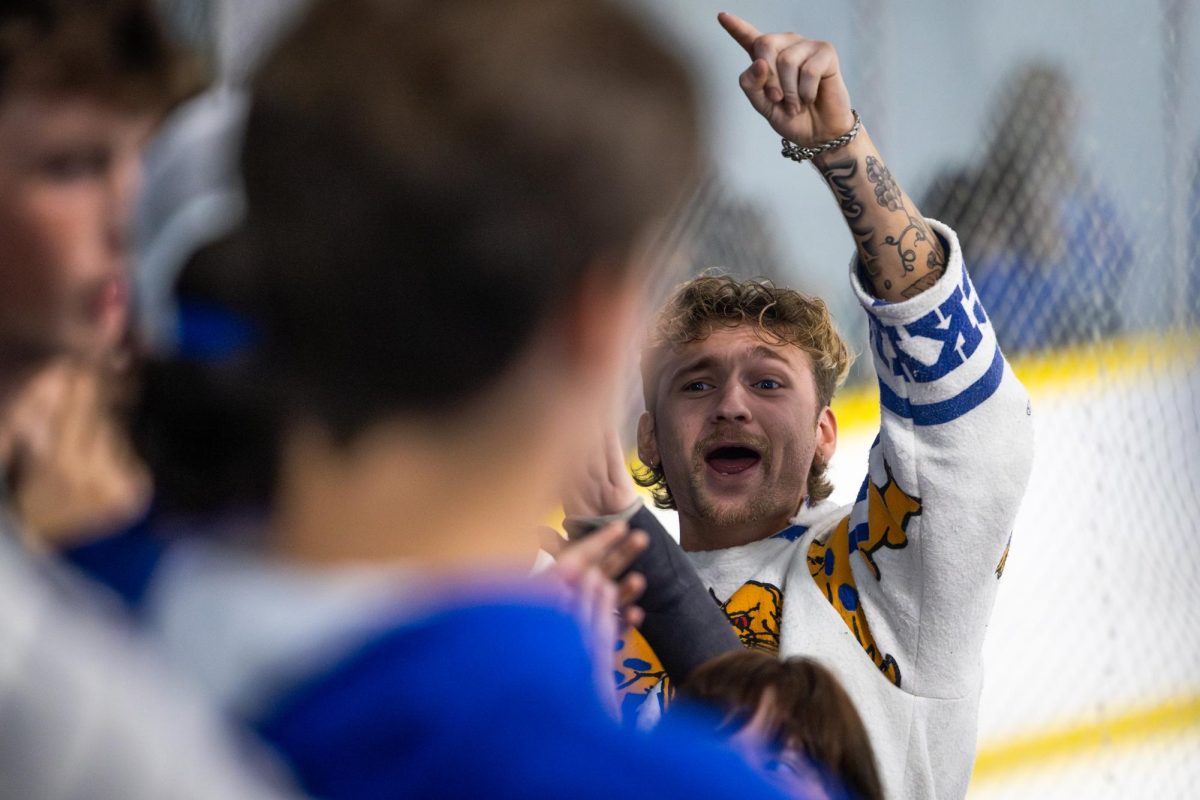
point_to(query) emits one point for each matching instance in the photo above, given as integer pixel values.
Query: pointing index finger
(742, 32)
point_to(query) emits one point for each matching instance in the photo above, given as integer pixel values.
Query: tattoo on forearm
(887, 193)
(907, 244)
(840, 177)
(921, 284)
(915, 232)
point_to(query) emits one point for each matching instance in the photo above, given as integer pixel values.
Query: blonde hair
(781, 316)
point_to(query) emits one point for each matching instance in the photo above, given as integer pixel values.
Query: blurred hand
(794, 82)
(75, 470)
(590, 568)
(601, 483)
(607, 552)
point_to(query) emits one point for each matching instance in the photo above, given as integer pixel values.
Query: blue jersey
(492, 700)
(369, 693)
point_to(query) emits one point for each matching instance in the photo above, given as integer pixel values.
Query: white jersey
(894, 591)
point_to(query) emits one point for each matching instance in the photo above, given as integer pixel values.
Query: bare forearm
(901, 256)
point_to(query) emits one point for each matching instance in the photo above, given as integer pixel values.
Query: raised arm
(796, 84)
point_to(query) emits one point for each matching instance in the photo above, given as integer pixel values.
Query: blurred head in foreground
(444, 219)
(786, 717)
(81, 87)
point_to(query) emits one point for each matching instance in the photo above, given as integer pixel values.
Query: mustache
(706, 443)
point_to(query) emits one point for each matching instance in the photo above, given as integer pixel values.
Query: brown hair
(116, 51)
(781, 316)
(811, 712)
(443, 175)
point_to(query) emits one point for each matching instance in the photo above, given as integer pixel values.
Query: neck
(699, 533)
(15, 379)
(405, 494)
(456, 493)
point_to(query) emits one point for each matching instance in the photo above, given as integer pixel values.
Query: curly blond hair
(781, 316)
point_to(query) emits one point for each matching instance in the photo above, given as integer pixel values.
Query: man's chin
(729, 512)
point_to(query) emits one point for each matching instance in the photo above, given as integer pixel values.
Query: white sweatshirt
(893, 592)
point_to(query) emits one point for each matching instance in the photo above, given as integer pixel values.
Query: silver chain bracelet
(797, 153)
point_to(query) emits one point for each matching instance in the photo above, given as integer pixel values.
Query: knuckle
(762, 47)
(790, 57)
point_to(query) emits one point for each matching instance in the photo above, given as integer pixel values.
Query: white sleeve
(932, 521)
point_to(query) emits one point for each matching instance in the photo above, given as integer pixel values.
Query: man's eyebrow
(762, 351)
(707, 361)
(697, 364)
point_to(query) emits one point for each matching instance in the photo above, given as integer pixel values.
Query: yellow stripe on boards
(997, 760)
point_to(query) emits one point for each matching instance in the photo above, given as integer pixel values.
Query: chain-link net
(1085, 256)
(1076, 196)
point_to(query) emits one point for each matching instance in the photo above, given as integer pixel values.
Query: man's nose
(731, 404)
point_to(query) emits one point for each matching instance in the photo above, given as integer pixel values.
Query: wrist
(621, 500)
(856, 149)
(838, 127)
(800, 153)
(578, 525)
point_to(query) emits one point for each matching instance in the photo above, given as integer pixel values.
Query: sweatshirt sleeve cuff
(922, 304)
(935, 354)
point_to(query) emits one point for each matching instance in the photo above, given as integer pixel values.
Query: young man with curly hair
(892, 592)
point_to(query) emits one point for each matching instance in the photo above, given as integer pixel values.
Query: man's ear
(826, 435)
(647, 444)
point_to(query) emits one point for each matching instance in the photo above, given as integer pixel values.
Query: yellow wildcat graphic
(889, 512)
(754, 610)
(638, 671)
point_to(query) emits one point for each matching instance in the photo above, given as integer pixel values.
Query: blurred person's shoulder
(76, 678)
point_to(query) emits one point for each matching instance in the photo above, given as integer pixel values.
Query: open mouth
(732, 459)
